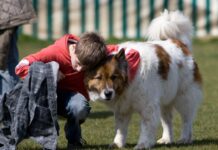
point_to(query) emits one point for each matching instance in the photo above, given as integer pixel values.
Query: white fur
(154, 98)
(171, 25)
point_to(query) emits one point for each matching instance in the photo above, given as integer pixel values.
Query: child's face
(74, 59)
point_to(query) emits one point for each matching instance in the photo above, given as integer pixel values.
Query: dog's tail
(171, 25)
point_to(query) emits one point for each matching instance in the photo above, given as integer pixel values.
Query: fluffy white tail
(171, 25)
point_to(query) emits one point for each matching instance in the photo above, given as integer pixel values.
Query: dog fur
(167, 78)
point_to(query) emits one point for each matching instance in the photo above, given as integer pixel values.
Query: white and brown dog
(167, 78)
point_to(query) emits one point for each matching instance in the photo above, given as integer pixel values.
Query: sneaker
(76, 145)
(83, 141)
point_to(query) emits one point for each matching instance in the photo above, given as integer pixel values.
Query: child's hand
(23, 62)
(60, 75)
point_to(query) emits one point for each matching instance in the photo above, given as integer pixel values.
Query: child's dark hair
(91, 50)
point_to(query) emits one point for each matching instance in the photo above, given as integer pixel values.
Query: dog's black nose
(108, 94)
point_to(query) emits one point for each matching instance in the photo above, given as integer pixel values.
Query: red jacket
(132, 57)
(73, 80)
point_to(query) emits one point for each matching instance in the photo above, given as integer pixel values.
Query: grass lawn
(98, 130)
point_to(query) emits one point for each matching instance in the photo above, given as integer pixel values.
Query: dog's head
(109, 79)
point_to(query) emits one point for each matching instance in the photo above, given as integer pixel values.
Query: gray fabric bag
(30, 109)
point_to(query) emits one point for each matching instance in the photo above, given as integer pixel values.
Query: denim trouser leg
(76, 108)
(13, 55)
(8, 79)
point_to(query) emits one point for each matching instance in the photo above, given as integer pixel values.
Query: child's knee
(78, 107)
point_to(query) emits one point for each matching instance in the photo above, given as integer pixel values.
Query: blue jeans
(8, 78)
(75, 107)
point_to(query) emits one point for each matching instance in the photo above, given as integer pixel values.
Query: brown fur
(197, 75)
(148, 95)
(186, 52)
(164, 61)
(110, 75)
(183, 47)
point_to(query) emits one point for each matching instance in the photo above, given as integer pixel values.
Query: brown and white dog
(167, 78)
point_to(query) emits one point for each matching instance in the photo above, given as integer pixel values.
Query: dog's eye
(114, 76)
(98, 77)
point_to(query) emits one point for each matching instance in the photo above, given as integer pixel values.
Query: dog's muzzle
(108, 94)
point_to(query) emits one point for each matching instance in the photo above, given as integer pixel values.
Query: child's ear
(121, 55)
(72, 47)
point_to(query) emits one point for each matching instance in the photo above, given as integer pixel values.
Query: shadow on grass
(131, 146)
(97, 147)
(100, 114)
(194, 143)
(94, 115)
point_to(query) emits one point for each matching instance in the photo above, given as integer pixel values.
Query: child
(74, 55)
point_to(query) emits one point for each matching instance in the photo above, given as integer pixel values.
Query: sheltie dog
(167, 78)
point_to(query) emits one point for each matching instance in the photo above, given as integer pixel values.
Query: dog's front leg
(121, 127)
(149, 123)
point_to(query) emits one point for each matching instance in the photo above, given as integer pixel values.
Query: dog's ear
(121, 55)
(122, 62)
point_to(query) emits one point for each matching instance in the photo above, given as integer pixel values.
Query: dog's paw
(113, 146)
(142, 146)
(164, 141)
(185, 141)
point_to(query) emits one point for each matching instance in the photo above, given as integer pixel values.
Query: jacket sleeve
(45, 55)
(133, 59)
(112, 49)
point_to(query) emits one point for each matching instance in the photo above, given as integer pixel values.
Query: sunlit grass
(98, 130)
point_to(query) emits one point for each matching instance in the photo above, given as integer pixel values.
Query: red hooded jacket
(73, 80)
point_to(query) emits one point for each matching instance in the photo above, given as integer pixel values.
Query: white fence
(116, 18)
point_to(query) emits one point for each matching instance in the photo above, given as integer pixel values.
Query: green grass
(98, 130)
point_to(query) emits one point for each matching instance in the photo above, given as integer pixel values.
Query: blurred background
(116, 18)
(117, 21)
